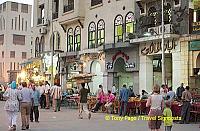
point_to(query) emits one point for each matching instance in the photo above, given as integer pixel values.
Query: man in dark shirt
(83, 101)
(179, 91)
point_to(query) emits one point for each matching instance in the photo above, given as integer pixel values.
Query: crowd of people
(28, 98)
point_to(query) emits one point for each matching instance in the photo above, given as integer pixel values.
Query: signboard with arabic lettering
(196, 28)
(195, 45)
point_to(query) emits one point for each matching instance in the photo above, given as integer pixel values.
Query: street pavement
(67, 120)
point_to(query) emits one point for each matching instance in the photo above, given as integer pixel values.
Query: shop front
(122, 66)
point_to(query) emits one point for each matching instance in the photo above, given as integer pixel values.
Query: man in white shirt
(56, 95)
(113, 91)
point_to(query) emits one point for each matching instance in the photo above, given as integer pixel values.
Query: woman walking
(12, 105)
(156, 104)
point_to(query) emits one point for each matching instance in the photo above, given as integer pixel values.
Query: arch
(95, 68)
(41, 44)
(36, 46)
(129, 21)
(118, 28)
(100, 32)
(198, 61)
(92, 35)
(77, 38)
(70, 40)
(119, 65)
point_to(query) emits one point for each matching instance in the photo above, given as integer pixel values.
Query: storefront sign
(195, 45)
(156, 47)
(109, 65)
(196, 28)
(119, 53)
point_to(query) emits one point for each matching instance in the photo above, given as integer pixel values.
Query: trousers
(12, 118)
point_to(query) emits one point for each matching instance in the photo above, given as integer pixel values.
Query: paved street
(66, 120)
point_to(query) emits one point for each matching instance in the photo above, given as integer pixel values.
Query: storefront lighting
(22, 75)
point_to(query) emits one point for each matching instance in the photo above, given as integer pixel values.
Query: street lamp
(163, 48)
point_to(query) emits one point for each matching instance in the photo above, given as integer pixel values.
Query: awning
(29, 61)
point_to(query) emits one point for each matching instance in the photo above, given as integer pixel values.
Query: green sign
(195, 45)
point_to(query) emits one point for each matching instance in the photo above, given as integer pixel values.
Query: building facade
(15, 38)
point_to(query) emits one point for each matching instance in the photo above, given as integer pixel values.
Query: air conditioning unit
(45, 22)
(168, 28)
(43, 30)
(154, 30)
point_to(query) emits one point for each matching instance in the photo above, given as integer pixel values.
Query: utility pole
(163, 46)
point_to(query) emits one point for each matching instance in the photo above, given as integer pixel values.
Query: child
(167, 113)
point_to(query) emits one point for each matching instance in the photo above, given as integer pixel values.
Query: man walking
(83, 93)
(42, 96)
(123, 98)
(185, 112)
(56, 95)
(34, 108)
(26, 103)
(47, 94)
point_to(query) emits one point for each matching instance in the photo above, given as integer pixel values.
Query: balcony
(73, 12)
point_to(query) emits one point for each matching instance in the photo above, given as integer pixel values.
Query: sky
(19, 1)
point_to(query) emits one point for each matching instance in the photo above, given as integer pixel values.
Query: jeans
(185, 112)
(43, 101)
(122, 110)
(34, 110)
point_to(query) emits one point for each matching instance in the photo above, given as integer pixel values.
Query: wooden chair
(116, 106)
(195, 112)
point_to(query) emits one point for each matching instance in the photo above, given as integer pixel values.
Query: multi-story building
(15, 35)
(118, 40)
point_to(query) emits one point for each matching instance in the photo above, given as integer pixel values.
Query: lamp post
(52, 46)
(163, 47)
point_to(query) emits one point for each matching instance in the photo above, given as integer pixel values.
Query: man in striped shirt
(56, 95)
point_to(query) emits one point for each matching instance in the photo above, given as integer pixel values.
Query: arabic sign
(196, 28)
(195, 45)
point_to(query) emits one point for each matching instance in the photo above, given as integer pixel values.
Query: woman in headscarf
(11, 107)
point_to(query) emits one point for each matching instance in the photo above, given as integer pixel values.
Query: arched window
(100, 32)
(70, 40)
(3, 23)
(41, 44)
(36, 46)
(92, 35)
(77, 38)
(56, 40)
(130, 27)
(167, 13)
(152, 13)
(118, 28)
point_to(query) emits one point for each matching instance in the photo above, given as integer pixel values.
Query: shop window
(68, 5)
(14, 6)
(92, 35)
(100, 32)
(77, 38)
(130, 29)
(70, 40)
(96, 2)
(19, 39)
(157, 65)
(118, 29)
(12, 54)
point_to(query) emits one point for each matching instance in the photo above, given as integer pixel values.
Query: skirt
(155, 123)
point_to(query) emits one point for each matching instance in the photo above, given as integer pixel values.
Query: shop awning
(29, 61)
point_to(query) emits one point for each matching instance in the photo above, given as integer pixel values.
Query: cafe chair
(195, 112)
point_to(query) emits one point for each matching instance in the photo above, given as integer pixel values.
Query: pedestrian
(185, 111)
(100, 99)
(12, 96)
(171, 94)
(156, 104)
(167, 114)
(47, 94)
(34, 108)
(42, 95)
(179, 91)
(83, 93)
(56, 95)
(123, 98)
(110, 100)
(113, 90)
(26, 104)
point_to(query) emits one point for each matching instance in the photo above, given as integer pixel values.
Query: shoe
(89, 116)
(31, 120)
(23, 128)
(37, 121)
(27, 127)
(14, 127)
